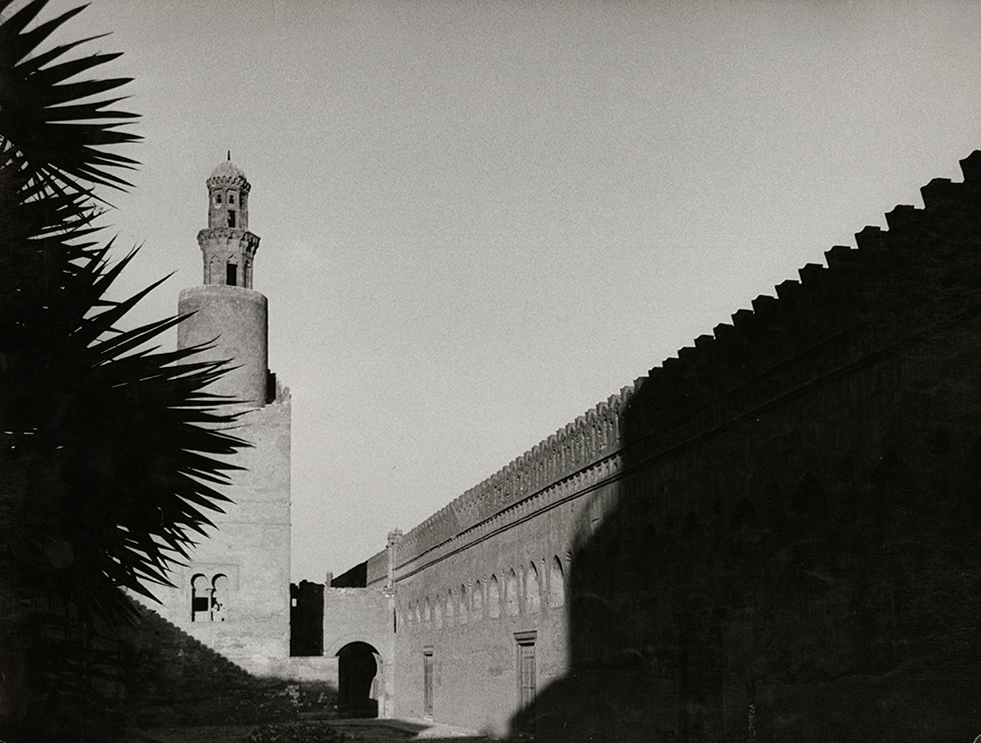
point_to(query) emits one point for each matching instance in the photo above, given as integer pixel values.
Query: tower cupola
(228, 191)
(227, 246)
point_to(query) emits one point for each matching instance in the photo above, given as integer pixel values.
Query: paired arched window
(209, 597)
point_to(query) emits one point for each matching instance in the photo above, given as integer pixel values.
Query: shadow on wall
(790, 548)
(172, 679)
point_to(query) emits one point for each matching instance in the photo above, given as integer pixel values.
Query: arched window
(463, 604)
(493, 598)
(200, 599)
(478, 601)
(219, 597)
(450, 608)
(217, 199)
(511, 594)
(231, 198)
(533, 591)
(556, 583)
(211, 593)
(427, 612)
(438, 612)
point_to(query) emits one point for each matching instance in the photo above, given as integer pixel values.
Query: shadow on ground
(176, 688)
(316, 731)
(390, 731)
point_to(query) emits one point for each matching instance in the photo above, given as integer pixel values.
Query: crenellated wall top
(591, 437)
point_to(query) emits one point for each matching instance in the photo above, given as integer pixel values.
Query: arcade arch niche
(359, 673)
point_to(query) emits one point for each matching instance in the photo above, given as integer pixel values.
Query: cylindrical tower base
(234, 320)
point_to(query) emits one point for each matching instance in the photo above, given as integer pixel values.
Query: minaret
(227, 313)
(233, 593)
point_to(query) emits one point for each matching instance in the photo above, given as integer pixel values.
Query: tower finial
(229, 156)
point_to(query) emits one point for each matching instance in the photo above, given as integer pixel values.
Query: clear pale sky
(479, 219)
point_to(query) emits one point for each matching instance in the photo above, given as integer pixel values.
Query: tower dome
(225, 173)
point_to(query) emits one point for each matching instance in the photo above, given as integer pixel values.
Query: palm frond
(57, 132)
(113, 453)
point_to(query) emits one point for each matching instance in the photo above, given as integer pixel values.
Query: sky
(479, 219)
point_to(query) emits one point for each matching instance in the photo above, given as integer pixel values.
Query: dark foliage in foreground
(109, 450)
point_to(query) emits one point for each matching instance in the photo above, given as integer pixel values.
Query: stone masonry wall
(251, 546)
(362, 615)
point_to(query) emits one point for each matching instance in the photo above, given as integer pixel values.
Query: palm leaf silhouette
(111, 451)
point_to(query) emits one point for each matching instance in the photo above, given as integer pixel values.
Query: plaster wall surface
(313, 669)
(234, 320)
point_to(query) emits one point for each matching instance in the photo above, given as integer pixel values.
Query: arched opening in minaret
(231, 274)
(231, 217)
(200, 599)
(358, 677)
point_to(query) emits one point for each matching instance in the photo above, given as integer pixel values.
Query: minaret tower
(233, 594)
(226, 311)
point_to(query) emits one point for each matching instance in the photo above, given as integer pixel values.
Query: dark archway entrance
(358, 671)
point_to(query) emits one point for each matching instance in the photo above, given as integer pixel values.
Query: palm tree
(110, 450)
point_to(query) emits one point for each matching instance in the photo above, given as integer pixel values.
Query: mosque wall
(770, 537)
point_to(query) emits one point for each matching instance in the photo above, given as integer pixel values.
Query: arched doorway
(358, 678)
